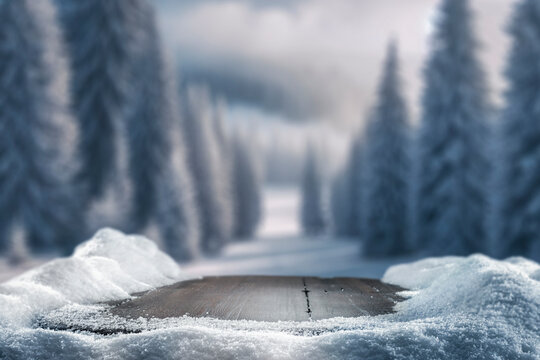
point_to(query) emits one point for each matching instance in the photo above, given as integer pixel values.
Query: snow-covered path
(280, 249)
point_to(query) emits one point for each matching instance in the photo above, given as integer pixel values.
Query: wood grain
(264, 298)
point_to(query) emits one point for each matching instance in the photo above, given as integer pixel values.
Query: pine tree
(340, 204)
(36, 195)
(387, 186)
(219, 123)
(226, 153)
(101, 37)
(207, 169)
(247, 190)
(346, 196)
(452, 140)
(519, 216)
(148, 121)
(176, 214)
(161, 183)
(312, 215)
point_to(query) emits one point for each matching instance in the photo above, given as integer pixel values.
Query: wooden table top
(264, 298)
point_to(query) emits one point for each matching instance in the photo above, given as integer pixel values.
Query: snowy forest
(103, 131)
(284, 179)
(97, 133)
(464, 178)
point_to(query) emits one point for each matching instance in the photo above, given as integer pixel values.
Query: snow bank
(458, 308)
(476, 286)
(109, 266)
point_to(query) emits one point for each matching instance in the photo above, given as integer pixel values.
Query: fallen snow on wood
(473, 307)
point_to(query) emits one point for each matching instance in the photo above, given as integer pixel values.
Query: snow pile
(110, 266)
(457, 308)
(475, 286)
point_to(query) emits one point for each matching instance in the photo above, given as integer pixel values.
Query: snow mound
(457, 308)
(507, 291)
(109, 266)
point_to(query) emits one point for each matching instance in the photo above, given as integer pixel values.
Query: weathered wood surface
(264, 298)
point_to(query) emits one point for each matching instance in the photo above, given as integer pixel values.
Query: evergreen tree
(452, 141)
(247, 190)
(226, 161)
(219, 123)
(346, 196)
(312, 215)
(101, 37)
(519, 215)
(149, 118)
(387, 190)
(340, 204)
(36, 197)
(176, 214)
(161, 184)
(208, 170)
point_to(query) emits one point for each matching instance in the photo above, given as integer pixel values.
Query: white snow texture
(457, 308)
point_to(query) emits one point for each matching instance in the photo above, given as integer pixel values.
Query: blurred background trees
(453, 137)
(39, 203)
(312, 211)
(518, 214)
(388, 166)
(99, 127)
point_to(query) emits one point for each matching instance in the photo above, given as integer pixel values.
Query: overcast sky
(313, 59)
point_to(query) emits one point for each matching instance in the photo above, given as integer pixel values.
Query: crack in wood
(306, 293)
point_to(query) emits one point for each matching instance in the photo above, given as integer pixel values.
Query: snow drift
(457, 308)
(108, 267)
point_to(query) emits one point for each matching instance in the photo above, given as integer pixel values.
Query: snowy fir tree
(148, 121)
(340, 204)
(226, 161)
(346, 195)
(36, 195)
(519, 213)
(208, 170)
(100, 35)
(158, 180)
(453, 166)
(219, 124)
(312, 216)
(388, 167)
(176, 213)
(247, 189)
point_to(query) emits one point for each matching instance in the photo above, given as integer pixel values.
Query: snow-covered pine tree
(340, 204)
(388, 166)
(519, 215)
(148, 122)
(346, 195)
(247, 189)
(207, 169)
(312, 216)
(226, 157)
(160, 178)
(219, 123)
(100, 35)
(36, 130)
(176, 214)
(453, 167)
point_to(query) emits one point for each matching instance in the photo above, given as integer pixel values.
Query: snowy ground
(279, 249)
(457, 307)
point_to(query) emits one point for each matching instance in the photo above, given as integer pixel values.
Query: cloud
(310, 59)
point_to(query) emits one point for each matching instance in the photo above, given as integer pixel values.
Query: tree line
(467, 178)
(94, 131)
